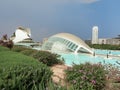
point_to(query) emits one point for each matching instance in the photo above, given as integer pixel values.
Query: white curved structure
(66, 42)
(21, 34)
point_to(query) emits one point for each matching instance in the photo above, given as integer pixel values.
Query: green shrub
(113, 72)
(24, 50)
(42, 56)
(52, 86)
(105, 46)
(29, 52)
(24, 77)
(86, 76)
(20, 72)
(19, 48)
(48, 58)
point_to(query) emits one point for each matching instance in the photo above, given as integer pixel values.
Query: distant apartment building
(96, 40)
(94, 35)
(111, 41)
(102, 41)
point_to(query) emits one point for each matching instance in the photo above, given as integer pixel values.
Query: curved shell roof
(75, 40)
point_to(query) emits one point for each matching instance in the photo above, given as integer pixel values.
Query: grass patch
(21, 72)
(8, 58)
(3, 48)
(45, 57)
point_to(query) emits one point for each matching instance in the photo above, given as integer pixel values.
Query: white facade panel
(95, 35)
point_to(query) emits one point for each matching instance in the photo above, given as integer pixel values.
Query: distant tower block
(95, 35)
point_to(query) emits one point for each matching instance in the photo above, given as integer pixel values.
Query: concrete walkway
(59, 74)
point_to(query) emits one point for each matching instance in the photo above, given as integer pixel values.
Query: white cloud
(69, 1)
(88, 1)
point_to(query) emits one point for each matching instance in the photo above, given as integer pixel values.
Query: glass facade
(66, 43)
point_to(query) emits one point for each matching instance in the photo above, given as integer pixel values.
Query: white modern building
(95, 35)
(65, 42)
(21, 34)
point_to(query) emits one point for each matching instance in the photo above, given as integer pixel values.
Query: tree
(10, 44)
(5, 42)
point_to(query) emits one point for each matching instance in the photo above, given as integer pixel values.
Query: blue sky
(48, 17)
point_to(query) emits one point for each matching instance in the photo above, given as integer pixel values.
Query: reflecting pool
(111, 52)
(100, 57)
(81, 58)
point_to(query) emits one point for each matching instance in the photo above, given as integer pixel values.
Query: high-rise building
(95, 35)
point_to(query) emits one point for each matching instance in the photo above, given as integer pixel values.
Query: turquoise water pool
(112, 52)
(80, 58)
